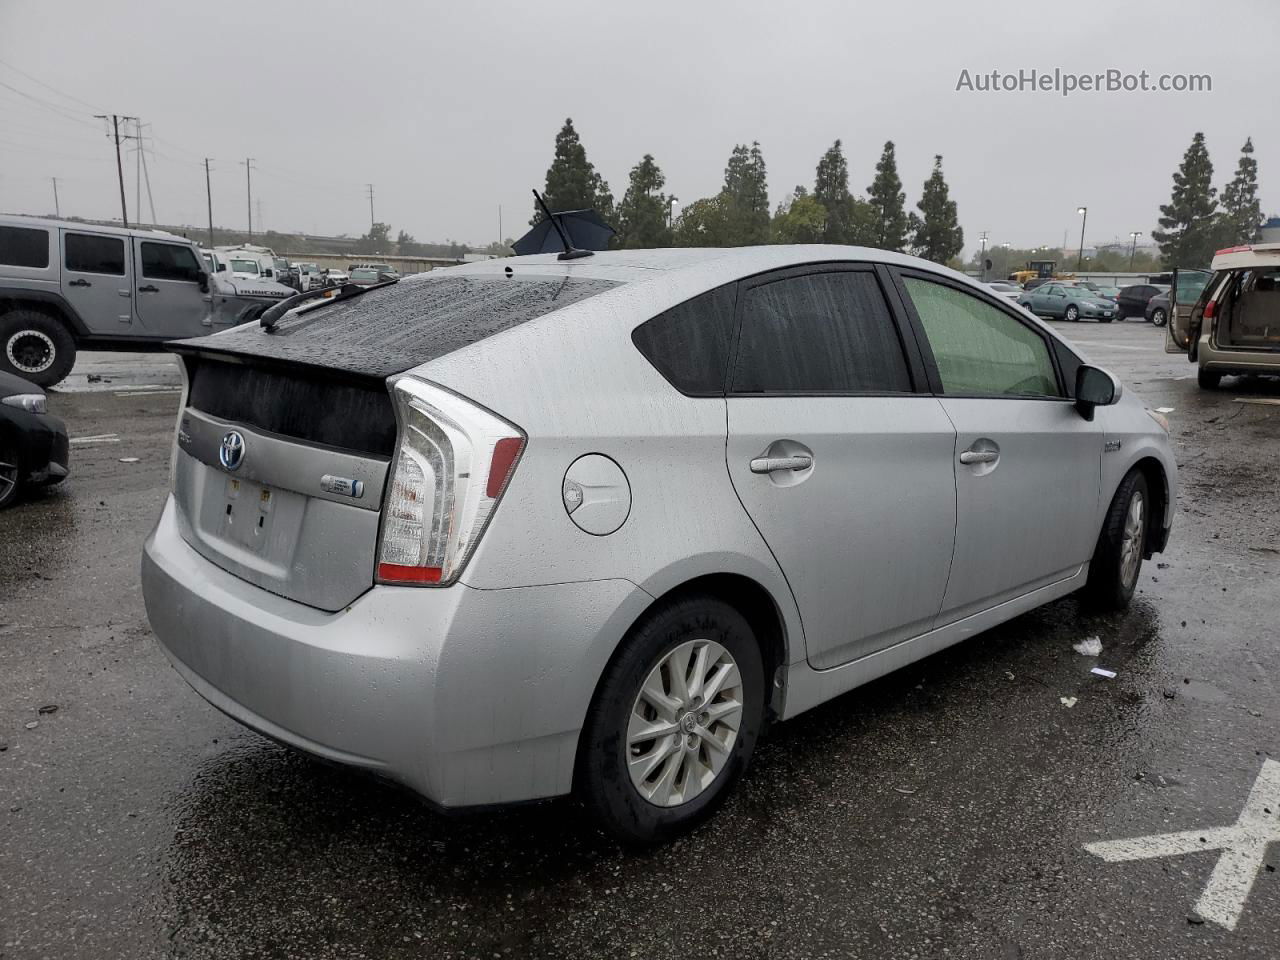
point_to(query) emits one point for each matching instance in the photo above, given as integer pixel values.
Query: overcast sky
(451, 109)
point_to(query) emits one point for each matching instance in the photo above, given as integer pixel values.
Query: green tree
(799, 219)
(645, 210)
(1241, 210)
(936, 234)
(746, 188)
(850, 219)
(377, 240)
(709, 222)
(1189, 227)
(572, 182)
(888, 203)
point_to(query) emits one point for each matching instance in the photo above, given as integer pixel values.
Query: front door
(97, 281)
(845, 470)
(168, 291)
(1027, 465)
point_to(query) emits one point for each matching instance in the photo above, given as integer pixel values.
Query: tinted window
(393, 328)
(689, 344)
(821, 333)
(168, 261)
(86, 253)
(24, 247)
(980, 349)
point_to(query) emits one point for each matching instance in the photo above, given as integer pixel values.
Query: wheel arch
(42, 301)
(1153, 472)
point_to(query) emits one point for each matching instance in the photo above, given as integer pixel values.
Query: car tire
(1072, 313)
(10, 479)
(1158, 317)
(1117, 558)
(36, 347)
(695, 630)
(1208, 379)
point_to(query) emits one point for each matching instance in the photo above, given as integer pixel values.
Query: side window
(980, 349)
(819, 333)
(86, 253)
(689, 344)
(168, 261)
(24, 247)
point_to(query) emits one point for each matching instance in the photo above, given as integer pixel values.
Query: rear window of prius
(402, 325)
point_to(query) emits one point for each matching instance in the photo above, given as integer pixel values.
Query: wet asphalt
(939, 812)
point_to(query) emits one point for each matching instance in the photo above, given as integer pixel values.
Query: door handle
(770, 464)
(79, 283)
(980, 456)
(149, 288)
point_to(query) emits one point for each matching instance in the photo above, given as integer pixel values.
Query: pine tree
(831, 191)
(936, 234)
(1190, 230)
(644, 212)
(746, 196)
(889, 203)
(572, 182)
(1240, 207)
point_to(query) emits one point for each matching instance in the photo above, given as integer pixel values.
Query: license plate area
(248, 514)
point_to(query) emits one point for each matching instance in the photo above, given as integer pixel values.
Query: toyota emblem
(231, 450)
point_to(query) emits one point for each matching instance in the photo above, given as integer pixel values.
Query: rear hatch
(1247, 315)
(287, 436)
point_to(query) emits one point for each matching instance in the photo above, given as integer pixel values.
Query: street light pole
(1134, 248)
(982, 258)
(1084, 218)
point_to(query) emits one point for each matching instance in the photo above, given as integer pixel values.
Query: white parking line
(147, 393)
(98, 438)
(1243, 846)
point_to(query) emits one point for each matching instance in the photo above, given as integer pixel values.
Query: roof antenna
(570, 251)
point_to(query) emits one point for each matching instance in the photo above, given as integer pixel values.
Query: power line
(56, 108)
(46, 86)
(115, 126)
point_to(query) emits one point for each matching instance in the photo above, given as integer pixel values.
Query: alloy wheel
(684, 723)
(8, 480)
(1131, 546)
(30, 351)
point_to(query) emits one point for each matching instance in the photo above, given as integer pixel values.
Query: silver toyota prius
(538, 525)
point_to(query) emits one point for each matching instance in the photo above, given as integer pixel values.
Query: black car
(33, 445)
(1158, 309)
(1133, 299)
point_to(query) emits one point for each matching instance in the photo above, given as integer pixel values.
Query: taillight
(452, 464)
(1210, 309)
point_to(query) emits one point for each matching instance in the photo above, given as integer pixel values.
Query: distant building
(1271, 231)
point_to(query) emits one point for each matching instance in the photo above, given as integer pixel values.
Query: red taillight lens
(505, 453)
(1210, 309)
(439, 498)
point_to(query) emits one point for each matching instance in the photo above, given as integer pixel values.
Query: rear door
(97, 280)
(170, 300)
(1187, 287)
(844, 468)
(1027, 465)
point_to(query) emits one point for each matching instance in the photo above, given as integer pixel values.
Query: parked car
(1158, 309)
(781, 472)
(1233, 323)
(66, 284)
(377, 267)
(34, 450)
(1066, 302)
(1133, 299)
(1109, 293)
(367, 276)
(335, 277)
(1006, 289)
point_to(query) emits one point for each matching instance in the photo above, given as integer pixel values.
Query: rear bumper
(469, 697)
(1214, 358)
(42, 445)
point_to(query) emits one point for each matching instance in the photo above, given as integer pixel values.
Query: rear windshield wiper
(348, 290)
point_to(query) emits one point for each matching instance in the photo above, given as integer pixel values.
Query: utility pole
(1134, 248)
(57, 211)
(982, 257)
(115, 127)
(247, 163)
(369, 187)
(1084, 218)
(208, 193)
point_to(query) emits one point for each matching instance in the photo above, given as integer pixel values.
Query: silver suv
(66, 284)
(507, 530)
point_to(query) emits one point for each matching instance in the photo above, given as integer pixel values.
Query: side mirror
(1095, 387)
(222, 268)
(202, 278)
